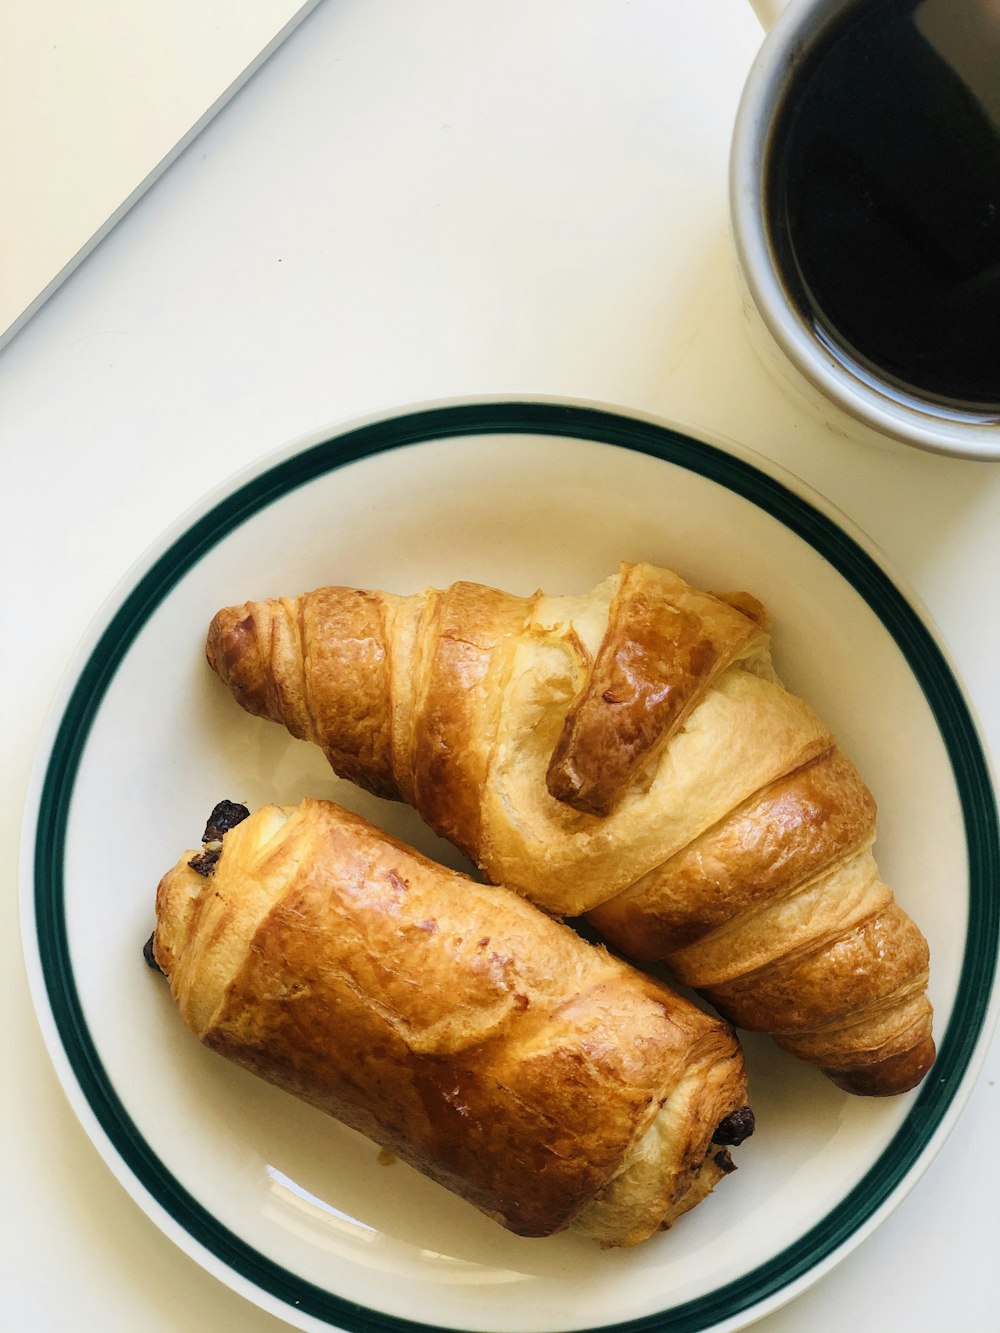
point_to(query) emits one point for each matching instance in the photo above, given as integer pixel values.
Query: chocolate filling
(150, 957)
(204, 862)
(226, 815)
(736, 1127)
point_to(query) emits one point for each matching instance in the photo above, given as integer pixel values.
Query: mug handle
(767, 11)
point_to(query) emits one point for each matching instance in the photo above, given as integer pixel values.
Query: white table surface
(416, 199)
(104, 95)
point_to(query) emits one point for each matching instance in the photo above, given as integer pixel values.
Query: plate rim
(125, 610)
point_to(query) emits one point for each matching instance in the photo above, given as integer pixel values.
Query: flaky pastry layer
(536, 1075)
(628, 754)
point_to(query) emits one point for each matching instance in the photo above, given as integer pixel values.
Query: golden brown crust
(569, 862)
(319, 664)
(748, 605)
(885, 1050)
(664, 643)
(845, 975)
(738, 835)
(890, 1075)
(784, 835)
(256, 650)
(455, 722)
(451, 1022)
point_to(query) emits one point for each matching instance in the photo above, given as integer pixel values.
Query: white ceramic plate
(287, 1206)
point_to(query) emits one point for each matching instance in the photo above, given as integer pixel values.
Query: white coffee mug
(788, 342)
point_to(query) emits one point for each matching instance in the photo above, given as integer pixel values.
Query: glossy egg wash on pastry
(629, 755)
(535, 1075)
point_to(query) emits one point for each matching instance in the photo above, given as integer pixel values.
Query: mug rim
(781, 52)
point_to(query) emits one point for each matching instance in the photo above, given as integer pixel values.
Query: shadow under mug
(788, 340)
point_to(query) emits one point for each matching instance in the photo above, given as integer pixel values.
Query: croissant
(630, 756)
(534, 1074)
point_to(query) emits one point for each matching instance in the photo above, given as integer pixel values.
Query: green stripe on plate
(919, 648)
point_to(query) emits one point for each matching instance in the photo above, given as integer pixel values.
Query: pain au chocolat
(535, 1074)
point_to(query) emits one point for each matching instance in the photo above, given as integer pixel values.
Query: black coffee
(883, 194)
